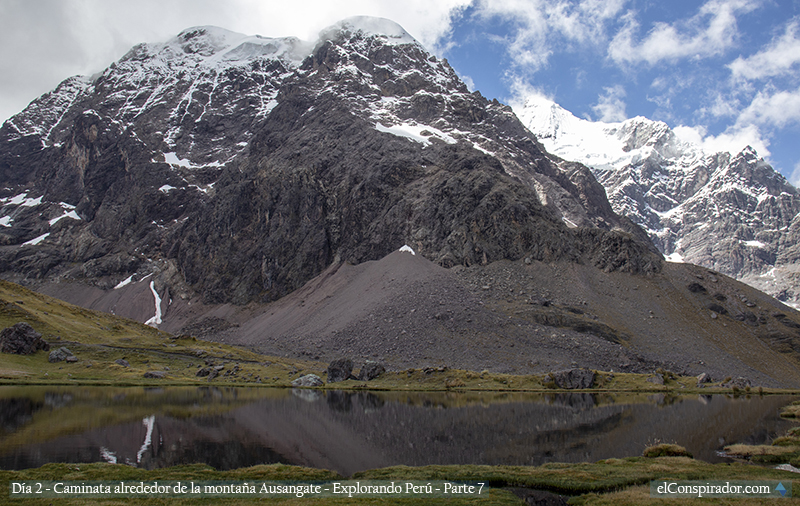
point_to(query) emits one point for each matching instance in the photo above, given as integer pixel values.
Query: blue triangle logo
(780, 488)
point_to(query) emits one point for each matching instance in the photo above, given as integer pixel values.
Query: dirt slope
(506, 316)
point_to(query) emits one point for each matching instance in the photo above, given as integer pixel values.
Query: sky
(725, 73)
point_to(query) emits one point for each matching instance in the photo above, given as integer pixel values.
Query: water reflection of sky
(352, 431)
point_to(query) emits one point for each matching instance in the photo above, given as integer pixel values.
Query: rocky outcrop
(738, 383)
(340, 369)
(59, 355)
(21, 339)
(370, 370)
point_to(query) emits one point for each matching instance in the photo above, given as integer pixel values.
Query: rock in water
(22, 340)
(309, 380)
(340, 369)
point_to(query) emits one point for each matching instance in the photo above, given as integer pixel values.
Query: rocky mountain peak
(240, 167)
(727, 211)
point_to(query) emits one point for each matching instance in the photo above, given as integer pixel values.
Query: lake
(352, 431)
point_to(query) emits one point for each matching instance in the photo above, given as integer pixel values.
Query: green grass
(666, 450)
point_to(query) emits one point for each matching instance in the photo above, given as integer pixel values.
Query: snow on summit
(392, 32)
(596, 144)
(215, 44)
(724, 210)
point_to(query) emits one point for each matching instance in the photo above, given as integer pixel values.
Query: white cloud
(778, 58)
(522, 92)
(733, 140)
(775, 110)
(539, 24)
(709, 32)
(610, 106)
(724, 106)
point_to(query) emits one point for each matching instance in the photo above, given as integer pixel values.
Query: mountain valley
(256, 191)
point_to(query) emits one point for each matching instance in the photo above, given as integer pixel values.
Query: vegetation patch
(666, 450)
(783, 450)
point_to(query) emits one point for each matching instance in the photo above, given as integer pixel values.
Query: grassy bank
(110, 350)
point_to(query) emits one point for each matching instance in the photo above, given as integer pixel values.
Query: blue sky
(726, 71)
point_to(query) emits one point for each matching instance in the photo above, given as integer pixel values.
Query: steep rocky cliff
(239, 167)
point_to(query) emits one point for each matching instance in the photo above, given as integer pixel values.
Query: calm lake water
(352, 431)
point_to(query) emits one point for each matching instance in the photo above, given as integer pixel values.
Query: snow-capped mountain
(241, 166)
(731, 212)
(253, 190)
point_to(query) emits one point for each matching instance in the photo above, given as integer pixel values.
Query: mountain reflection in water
(351, 431)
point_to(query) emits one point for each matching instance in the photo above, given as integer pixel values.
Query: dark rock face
(340, 370)
(21, 339)
(246, 170)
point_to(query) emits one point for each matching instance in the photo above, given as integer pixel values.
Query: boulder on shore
(309, 380)
(340, 369)
(61, 354)
(370, 370)
(739, 382)
(572, 379)
(21, 339)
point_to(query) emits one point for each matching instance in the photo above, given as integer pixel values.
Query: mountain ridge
(159, 128)
(207, 196)
(731, 212)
